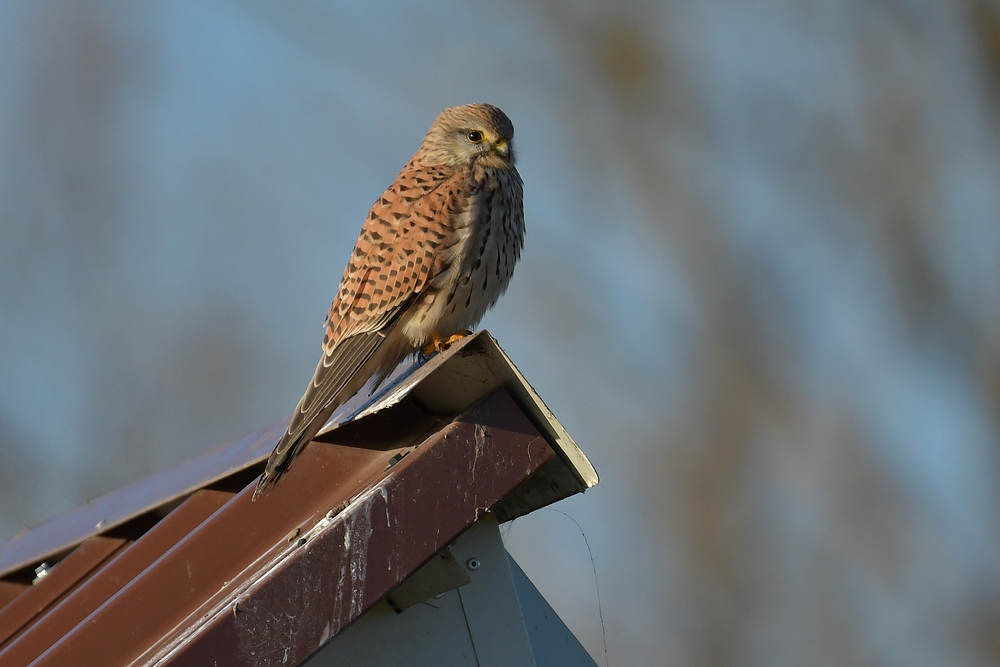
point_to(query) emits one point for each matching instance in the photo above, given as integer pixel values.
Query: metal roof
(181, 568)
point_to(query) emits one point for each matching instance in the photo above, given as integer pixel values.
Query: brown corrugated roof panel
(53, 585)
(111, 578)
(225, 581)
(168, 487)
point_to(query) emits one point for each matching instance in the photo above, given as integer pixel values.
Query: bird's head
(472, 132)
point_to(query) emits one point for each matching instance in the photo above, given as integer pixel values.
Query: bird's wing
(395, 255)
(393, 260)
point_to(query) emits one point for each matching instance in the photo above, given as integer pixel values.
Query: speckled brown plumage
(436, 251)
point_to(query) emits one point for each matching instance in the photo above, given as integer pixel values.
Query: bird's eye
(475, 136)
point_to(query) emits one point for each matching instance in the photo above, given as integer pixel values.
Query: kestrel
(437, 250)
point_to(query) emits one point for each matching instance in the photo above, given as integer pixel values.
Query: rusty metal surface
(62, 579)
(257, 579)
(123, 568)
(63, 532)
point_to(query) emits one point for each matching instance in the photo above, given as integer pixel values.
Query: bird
(437, 250)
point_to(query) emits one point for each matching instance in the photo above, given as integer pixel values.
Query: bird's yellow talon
(440, 343)
(454, 338)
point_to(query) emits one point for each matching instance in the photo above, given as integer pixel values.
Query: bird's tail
(338, 376)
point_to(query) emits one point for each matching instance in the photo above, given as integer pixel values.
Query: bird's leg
(441, 343)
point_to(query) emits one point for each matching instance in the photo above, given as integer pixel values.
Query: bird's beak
(502, 147)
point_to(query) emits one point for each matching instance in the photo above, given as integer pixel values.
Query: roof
(181, 568)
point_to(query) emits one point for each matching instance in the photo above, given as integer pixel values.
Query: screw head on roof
(473, 563)
(41, 571)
